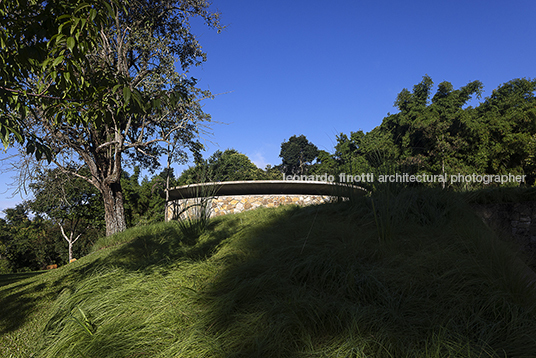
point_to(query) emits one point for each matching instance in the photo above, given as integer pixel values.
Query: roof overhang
(264, 187)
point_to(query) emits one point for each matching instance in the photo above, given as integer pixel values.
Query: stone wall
(222, 205)
(512, 220)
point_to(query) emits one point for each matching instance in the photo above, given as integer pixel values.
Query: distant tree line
(229, 165)
(438, 133)
(432, 133)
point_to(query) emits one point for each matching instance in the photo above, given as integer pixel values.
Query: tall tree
(325, 164)
(445, 128)
(231, 165)
(432, 136)
(297, 154)
(137, 101)
(413, 109)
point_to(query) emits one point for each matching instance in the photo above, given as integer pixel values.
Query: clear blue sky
(319, 68)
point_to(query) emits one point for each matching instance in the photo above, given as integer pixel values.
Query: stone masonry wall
(512, 220)
(222, 205)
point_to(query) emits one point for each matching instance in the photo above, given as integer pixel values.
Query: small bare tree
(70, 202)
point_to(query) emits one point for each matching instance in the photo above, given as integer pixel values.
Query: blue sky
(319, 68)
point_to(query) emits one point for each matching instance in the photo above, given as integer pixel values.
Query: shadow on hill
(500, 195)
(10, 278)
(264, 302)
(18, 301)
(329, 281)
(146, 252)
(376, 277)
(36, 290)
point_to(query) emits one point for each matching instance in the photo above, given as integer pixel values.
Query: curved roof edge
(264, 187)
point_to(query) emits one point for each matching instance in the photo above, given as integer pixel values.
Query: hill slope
(408, 275)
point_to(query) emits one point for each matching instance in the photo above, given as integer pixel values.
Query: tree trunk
(70, 250)
(114, 213)
(70, 240)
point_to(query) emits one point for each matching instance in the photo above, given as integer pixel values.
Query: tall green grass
(289, 282)
(420, 292)
(194, 214)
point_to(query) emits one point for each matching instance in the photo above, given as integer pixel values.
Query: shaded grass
(419, 291)
(10, 278)
(322, 281)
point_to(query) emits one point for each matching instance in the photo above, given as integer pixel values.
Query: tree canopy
(297, 154)
(439, 133)
(69, 202)
(65, 218)
(229, 165)
(106, 85)
(45, 45)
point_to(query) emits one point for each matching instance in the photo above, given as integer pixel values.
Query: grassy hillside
(408, 275)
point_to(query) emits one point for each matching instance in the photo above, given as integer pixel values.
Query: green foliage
(439, 134)
(62, 198)
(44, 48)
(271, 173)
(26, 244)
(431, 136)
(30, 243)
(508, 119)
(71, 203)
(144, 202)
(229, 165)
(363, 153)
(325, 163)
(297, 154)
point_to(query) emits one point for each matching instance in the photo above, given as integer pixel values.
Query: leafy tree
(442, 136)
(325, 164)
(297, 154)
(18, 215)
(44, 50)
(27, 242)
(505, 128)
(272, 172)
(229, 165)
(124, 99)
(440, 133)
(345, 150)
(433, 139)
(69, 202)
(446, 127)
(4, 241)
(432, 136)
(404, 126)
(356, 154)
(144, 203)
